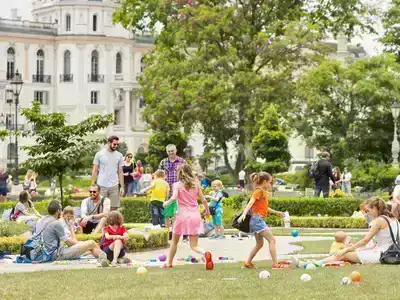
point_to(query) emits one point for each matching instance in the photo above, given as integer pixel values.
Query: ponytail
(260, 177)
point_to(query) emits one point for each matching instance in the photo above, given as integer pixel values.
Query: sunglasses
(129, 156)
(92, 192)
(115, 145)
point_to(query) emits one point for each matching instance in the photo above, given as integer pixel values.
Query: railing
(10, 76)
(66, 77)
(96, 78)
(28, 25)
(12, 126)
(41, 78)
(118, 128)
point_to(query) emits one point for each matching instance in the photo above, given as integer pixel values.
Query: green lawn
(193, 282)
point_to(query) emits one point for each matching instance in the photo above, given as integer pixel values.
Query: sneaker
(209, 261)
(102, 260)
(220, 237)
(213, 237)
(124, 260)
(114, 265)
(248, 266)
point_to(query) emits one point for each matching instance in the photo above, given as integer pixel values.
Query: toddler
(216, 210)
(341, 241)
(68, 222)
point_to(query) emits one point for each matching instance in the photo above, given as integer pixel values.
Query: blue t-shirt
(216, 204)
(109, 163)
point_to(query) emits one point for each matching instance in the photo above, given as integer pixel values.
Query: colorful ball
(141, 271)
(305, 277)
(355, 276)
(264, 274)
(295, 233)
(162, 257)
(346, 281)
(310, 266)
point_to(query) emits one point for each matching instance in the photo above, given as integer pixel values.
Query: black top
(128, 169)
(325, 169)
(3, 179)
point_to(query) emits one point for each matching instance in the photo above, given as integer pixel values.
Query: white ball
(346, 281)
(305, 277)
(264, 274)
(141, 271)
(310, 266)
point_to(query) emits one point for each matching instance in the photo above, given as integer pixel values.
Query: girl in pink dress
(187, 219)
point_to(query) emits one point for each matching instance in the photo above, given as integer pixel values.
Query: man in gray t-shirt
(107, 172)
(53, 234)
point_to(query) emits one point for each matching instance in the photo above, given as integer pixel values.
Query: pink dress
(187, 219)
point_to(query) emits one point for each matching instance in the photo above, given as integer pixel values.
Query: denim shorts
(217, 219)
(257, 224)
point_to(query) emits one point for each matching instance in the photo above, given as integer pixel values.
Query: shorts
(110, 253)
(217, 219)
(171, 210)
(71, 253)
(112, 193)
(3, 190)
(369, 256)
(258, 224)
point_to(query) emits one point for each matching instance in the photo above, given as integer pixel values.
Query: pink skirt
(188, 223)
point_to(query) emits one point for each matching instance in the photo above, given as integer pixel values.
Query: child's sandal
(165, 266)
(279, 265)
(248, 266)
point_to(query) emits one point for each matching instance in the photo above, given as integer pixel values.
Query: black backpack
(313, 171)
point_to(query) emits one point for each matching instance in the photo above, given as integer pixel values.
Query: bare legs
(266, 234)
(193, 239)
(116, 247)
(351, 257)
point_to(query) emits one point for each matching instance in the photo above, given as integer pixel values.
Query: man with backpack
(45, 244)
(94, 211)
(321, 172)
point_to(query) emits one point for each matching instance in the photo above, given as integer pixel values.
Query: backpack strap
(391, 232)
(101, 204)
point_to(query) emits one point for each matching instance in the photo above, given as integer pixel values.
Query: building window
(41, 97)
(94, 97)
(67, 62)
(142, 65)
(68, 22)
(40, 64)
(10, 63)
(95, 63)
(118, 63)
(309, 153)
(11, 151)
(95, 23)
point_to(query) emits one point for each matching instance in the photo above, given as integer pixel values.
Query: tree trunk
(60, 180)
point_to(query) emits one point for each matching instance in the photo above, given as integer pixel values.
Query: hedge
(157, 239)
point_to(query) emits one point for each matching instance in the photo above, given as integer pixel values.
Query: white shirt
(346, 177)
(109, 163)
(242, 175)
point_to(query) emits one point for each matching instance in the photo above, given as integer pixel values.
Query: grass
(193, 282)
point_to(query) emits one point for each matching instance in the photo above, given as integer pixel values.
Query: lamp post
(16, 84)
(395, 144)
(10, 96)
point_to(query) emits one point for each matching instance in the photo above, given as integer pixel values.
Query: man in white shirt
(242, 177)
(107, 171)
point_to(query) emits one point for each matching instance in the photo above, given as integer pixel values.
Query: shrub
(373, 176)
(299, 177)
(157, 239)
(13, 229)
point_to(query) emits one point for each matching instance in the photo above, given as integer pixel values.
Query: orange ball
(355, 276)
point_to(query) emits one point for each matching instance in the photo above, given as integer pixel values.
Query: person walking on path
(107, 172)
(127, 169)
(242, 179)
(324, 168)
(170, 166)
(3, 185)
(137, 175)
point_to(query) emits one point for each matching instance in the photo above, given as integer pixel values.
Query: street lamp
(16, 84)
(10, 96)
(395, 144)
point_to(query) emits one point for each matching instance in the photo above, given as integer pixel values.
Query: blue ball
(295, 233)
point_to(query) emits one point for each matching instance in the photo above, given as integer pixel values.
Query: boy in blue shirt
(216, 209)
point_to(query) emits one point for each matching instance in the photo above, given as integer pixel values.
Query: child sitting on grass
(209, 229)
(216, 210)
(68, 222)
(114, 239)
(341, 241)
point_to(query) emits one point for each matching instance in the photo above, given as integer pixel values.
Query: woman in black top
(128, 168)
(337, 175)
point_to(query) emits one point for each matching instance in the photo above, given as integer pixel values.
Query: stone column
(127, 109)
(26, 63)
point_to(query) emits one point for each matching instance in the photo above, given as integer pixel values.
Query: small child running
(216, 197)
(187, 219)
(114, 238)
(258, 205)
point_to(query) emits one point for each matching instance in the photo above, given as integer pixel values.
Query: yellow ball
(141, 271)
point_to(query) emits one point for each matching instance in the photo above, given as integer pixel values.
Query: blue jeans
(128, 189)
(324, 188)
(157, 213)
(136, 186)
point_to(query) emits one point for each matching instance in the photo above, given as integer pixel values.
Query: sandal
(165, 266)
(279, 265)
(248, 266)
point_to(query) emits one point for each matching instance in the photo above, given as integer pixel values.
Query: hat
(397, 181)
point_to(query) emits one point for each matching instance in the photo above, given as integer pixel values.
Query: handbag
(392, 255)
(243, 226)
(213, 209)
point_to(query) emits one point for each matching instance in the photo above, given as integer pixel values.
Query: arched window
(11, 151)
(141, 150)
(142, 65)
(67, 62)
(10, 63)
(118, 63)
(94, 22)
(95, 63)
(40, 64)
(68, 22)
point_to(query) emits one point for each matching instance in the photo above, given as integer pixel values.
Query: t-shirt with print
(120, 231)
(260, 206)
(109, 163)
(215, 203)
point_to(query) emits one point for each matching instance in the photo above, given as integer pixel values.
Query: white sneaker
(102, 260)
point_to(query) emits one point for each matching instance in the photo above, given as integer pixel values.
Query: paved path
(229, 247)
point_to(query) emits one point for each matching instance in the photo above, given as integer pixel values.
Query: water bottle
(287, 219)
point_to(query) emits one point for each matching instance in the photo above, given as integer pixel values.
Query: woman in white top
(376, 208)
(346, 181)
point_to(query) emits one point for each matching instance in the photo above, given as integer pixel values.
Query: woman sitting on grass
(24, 210)
(376, 208)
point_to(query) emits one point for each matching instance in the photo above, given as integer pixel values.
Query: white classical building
(74, 60)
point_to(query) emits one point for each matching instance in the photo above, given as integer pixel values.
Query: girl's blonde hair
(185, 174)
(68, 210)
(148, 170)
(159, 174)
(259, 178)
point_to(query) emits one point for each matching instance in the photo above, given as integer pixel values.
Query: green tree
(216, 64)
(159, 140)
(59, 147)
(270, 144)
(346, 107)
(391, 24)
(4, 134)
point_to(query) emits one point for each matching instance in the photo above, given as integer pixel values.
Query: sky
(369, 42)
